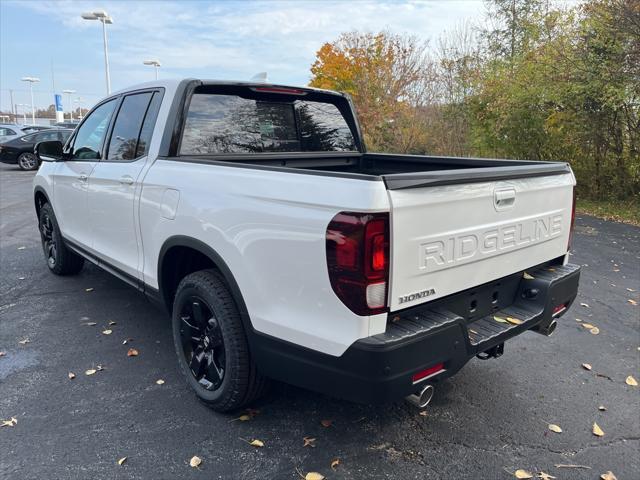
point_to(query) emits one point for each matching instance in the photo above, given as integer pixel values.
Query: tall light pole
(31, 81)
(105, 19)
(69, 92)
(155, 63)
(24, 112)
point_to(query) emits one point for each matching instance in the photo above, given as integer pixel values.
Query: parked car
(66, 124)
(283, 249)
(20, 150)
(35, 128)
(9, 131)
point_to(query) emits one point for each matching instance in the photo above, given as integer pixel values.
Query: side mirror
(50, 151)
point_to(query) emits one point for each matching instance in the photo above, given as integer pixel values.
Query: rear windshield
(223, 124)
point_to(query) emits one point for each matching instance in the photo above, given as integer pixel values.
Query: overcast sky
(221, 39)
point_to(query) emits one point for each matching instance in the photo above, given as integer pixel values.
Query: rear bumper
(379, 369)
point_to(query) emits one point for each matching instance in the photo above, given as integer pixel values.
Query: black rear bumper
(450, 331)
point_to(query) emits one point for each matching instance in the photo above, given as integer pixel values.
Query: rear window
(222, 124)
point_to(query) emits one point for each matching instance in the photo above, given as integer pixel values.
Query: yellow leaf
(256, 443)
(91, 371)
(9, 423)
(107, 332)
(313, 476)
(334, 463)
(514, 321)
(71, 375)
(309, 442)
(526, 276)
(586, 366)
(632, 302)
(594, 331)
(244, 418)
(195, 461)
(523, 474)
(608, 476)
(500, 319)
(122, 460)
(597, 431)
(631, 381)
(160, 381)
(132, 352)
(555, 428)
(588, 326)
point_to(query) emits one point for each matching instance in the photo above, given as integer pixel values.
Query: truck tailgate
(449, 238)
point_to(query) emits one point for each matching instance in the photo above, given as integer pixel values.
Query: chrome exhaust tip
(547, 329)
(422, 398)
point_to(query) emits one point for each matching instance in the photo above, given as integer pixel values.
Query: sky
(224, 39)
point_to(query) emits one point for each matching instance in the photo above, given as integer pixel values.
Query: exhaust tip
(422, 398)
(551, 328)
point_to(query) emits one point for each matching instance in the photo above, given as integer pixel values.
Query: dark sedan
(20, 150)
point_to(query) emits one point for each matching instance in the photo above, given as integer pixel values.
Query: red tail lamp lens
(358, 260)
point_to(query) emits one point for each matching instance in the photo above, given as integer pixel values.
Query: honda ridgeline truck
(283, 249)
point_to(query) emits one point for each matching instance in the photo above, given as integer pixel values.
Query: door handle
(82, 177)
(126, 180)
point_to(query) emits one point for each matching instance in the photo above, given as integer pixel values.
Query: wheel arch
(40, 197)
(183, 244)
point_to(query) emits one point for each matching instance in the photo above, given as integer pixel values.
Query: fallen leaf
(555, 428)
(91, 371)
(256, 443)
(24, 342)
(313, 476)
(71, 375)
(586, 366)
(578, 320)
(107, 332)
(586, 305)
(423, 413)
(2, 354)
(22, 278)
(195, 461)
(326, 423)
(21, 248)
(594, 331)
(13, 421)
(112, 322)
(91, 324)
(309, 442)
(88, 289)
(632, 301)
(526, 276)
(122, 460)
(631, 381)
(514, 321)
(597, 431)
(160, 381)
(608, 476)
(545, 476)
(522, 474)
(126, 340)
(588, 326)
(630, 290)
(500, 319)
(602, 408)
(243, 418)
(334, 463)
(561, 465)
(132, 352)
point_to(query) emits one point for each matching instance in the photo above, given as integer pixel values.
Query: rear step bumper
(380, 368)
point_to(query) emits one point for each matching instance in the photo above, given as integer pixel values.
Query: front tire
(211, 344)
(60, 259)
(28, 161)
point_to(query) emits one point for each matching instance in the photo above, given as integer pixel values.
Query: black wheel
(60, 259)
(211, 343)
(28, 161)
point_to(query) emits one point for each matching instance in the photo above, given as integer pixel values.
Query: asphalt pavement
(484, 423)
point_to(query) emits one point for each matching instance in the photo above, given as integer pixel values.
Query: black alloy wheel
(49, 244)
(202, 343)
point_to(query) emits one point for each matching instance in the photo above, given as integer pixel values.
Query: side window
(91, 133)
(148, 125)
(63, 136)
(45, 137)
(6, 131)
(123, 145)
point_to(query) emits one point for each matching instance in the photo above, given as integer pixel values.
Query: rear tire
(211, 343)
(28, 161)
(60, 259)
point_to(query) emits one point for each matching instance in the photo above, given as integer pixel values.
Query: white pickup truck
(283, 249)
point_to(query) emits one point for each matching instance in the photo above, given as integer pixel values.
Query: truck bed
(397, 171)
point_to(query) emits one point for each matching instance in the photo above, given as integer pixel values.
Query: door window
(6, 132)
(90, 135)
(125, 136)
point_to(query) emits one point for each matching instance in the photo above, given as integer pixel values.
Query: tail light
(358, 260)
(573, 219)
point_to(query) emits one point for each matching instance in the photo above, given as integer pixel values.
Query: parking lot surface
(485, 423)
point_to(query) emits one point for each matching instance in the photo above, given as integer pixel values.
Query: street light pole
(105, 19)
(31, 81)
(155, 63)
(24, 112)
(69, 92)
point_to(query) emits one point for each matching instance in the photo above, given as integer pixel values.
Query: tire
(60, 259)
(211, 343)
(28, 161)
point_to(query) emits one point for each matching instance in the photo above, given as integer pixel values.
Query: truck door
(115, 183)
